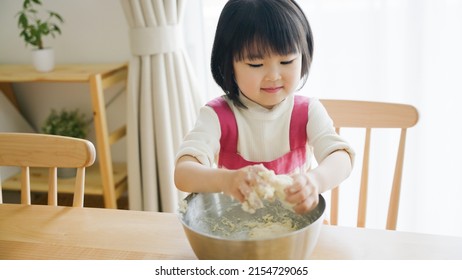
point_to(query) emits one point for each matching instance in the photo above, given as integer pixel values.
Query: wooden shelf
(93, 181)
(104, 180)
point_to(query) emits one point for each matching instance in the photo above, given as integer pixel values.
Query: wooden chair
(27, 150)
(369, 115)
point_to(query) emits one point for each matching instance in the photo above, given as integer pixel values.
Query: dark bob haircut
(253, 29)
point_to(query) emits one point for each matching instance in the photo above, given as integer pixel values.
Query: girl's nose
(273, 74)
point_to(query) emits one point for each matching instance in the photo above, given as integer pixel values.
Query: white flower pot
(44, 59)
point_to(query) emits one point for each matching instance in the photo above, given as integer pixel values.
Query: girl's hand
(241, 181)
(304, 193)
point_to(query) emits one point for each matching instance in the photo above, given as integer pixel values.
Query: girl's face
(269, 80)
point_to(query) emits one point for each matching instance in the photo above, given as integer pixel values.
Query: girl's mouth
(272, 89)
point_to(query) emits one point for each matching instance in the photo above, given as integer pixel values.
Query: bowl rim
(321, 204)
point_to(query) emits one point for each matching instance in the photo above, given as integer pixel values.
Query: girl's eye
(287, 62)
(254, 65)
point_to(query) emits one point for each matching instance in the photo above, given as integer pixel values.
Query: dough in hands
(268, 186)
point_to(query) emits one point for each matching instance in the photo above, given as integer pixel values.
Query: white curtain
(162, 101)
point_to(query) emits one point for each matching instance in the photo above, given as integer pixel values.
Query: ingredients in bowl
(260, 228)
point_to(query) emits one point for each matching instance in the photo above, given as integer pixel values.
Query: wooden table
(99, 77)
(48, 232)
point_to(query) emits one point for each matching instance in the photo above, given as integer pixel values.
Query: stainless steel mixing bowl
(217, 228)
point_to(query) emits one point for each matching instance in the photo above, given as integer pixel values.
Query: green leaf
(22, 21)
(56, 28)
(26, 4)
(56, 15)
(43, 28)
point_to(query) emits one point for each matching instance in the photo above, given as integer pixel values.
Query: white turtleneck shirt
(263, 134)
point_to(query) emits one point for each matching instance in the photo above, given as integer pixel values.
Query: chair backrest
(27, 150)
(369, 115)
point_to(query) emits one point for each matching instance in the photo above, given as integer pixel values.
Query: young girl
(261, 55)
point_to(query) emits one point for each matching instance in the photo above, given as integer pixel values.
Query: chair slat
(393, 207)
(363, 191)
(79, 187)
(53, 186)
(334, 198)
(25, 185)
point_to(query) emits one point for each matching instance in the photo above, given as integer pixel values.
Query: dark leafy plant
(66, 123)
(33, 28)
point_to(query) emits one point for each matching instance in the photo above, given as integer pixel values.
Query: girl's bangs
(266, 34)
(258, 48)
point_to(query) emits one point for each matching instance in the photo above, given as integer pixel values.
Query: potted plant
(70, 123)
(35, 25)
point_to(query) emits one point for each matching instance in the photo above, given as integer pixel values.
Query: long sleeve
(203, 141)
(321, 133)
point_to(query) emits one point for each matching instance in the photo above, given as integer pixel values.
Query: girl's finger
(293, 189)
(239, 196)
(307, 205)
(244, 189)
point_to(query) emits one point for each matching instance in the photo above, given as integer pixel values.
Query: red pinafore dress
(229, 157)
